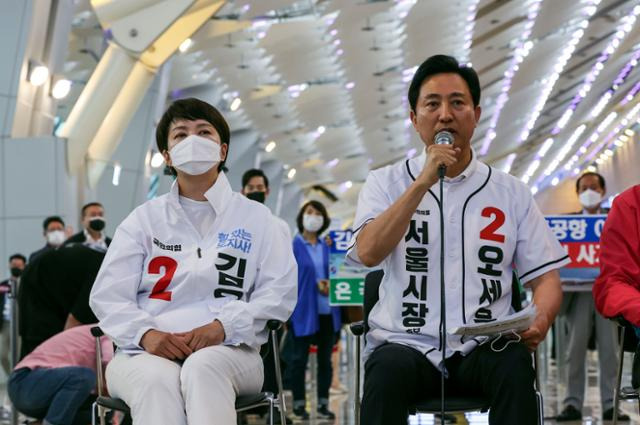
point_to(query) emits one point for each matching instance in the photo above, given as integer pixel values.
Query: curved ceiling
(326, 80)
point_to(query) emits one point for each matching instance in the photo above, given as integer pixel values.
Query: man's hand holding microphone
(440, 155)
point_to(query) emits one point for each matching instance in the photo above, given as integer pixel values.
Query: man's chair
(243, 403)
(626, 393)
(452, 404)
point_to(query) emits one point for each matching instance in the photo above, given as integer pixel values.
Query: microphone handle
(442, 169)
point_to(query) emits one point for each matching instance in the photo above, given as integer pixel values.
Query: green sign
(346, 291)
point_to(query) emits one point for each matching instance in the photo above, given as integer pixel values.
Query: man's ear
(477, 111)
(414, 119)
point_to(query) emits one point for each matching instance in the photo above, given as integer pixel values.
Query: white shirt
(160, 273)
(491, 222)
(199, 213)
(99, 244)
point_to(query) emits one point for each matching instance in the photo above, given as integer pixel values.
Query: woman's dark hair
(317, 205)
(443, 64)
(191, 109)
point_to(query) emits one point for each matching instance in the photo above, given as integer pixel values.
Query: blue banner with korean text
(579, 235)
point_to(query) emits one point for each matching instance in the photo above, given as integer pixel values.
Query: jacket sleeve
(617, 289)
(114, 294)
(274, 294)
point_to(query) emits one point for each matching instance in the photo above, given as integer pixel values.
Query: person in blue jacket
(313, 321)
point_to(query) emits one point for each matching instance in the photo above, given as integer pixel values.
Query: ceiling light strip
(522, 49)
(595, 112)
(563, 59)
(624, 27)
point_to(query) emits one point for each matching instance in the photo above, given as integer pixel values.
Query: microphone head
(443, 138)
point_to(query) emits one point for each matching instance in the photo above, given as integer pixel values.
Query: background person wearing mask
(581, 315)
(255, 186)
(313, 321)
(93, 222)
(53, 231)
(17, 263)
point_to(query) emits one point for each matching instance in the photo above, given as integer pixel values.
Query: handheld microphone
(443, 138)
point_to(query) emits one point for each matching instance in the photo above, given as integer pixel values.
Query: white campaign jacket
(491, 224)
(159, 273)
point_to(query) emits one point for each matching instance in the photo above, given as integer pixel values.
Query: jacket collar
(218, 195)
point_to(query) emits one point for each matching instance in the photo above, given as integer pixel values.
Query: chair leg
(540, 403)
(271, 413)
(616, 394)
(276, 358)
(94, 408)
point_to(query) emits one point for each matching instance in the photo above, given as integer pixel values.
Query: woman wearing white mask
(189, 282)
(313, 321)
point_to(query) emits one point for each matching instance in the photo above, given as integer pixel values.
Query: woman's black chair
(432, 405)
(627, 343)
(243, 403)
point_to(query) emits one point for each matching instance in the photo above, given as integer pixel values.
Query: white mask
(311, 222)
(590, 198)
(195, 155)
(55, 237)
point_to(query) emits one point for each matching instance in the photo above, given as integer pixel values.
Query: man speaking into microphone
(492, 227)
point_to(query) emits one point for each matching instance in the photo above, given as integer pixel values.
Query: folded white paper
(519, 321)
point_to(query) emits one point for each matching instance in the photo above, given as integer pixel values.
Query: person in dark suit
(17, 263)
(54, 293)
(93, 225)
(53, 228)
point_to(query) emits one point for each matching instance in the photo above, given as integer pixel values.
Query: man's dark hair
(191, 109)
(90, 204)
(325, 215)
(53, 219)
(591, 173)
(18, 257)
(443, 64)
(254, 172)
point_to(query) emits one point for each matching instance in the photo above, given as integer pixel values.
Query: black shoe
(301, 413)
(324, 412)
(569, 413)
(607, 415)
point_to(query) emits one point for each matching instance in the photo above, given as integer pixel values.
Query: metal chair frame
(243, 403)
(626, 393)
